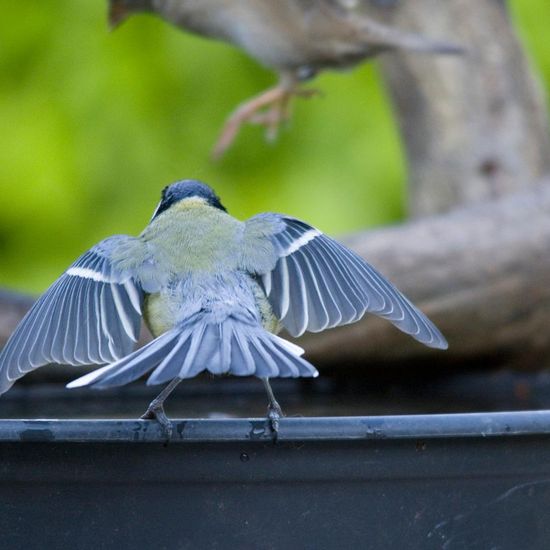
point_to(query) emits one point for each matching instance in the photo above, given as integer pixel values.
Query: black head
(187, 189)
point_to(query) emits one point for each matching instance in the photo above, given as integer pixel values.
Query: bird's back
(292, 35)
(195, 238)
(202, 246)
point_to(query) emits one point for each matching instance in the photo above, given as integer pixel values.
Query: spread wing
(314, 283)
(90, 315)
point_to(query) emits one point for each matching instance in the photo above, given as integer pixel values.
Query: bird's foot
(155, 411)
(245, 113)
(268, 109)
(274, 414)
(307, 92)
(279, 113)
(271, 120)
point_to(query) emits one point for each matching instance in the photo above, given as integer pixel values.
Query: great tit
(213, 290)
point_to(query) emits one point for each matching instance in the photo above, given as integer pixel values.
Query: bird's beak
(117, 14)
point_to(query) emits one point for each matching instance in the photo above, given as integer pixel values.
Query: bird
(296, 38)
(214, 292)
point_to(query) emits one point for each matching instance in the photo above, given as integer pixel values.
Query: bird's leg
(274, 411)
(280, 111)
(272, 118)
(244, 113)
(155, 410)
(276, 99)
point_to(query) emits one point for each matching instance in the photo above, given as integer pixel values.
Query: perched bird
(296, 38)
(214, 292)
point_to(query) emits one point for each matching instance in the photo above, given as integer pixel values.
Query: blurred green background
(94, 124)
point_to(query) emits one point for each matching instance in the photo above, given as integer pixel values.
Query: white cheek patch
(303, 240)
(155, 212)
(86, 273)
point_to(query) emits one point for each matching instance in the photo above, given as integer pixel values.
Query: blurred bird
(213, 290)
(296, 38)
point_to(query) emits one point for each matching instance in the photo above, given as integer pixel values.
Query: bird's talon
(268, 109)
(156, 412)
(261, 119)
(274, 414)
(274, 425)
(271, 135)
(308, 92)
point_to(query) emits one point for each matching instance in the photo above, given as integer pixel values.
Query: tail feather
(226, 335)
(266, 367)
(170, 366)
(287, 366)
(209, 352)
(189, 368)
(241, 358)
(131, 367)
(233, 347)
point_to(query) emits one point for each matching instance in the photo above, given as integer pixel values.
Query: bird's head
(120, 10)
(193, 191)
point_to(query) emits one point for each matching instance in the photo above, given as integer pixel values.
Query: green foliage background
(94, 124)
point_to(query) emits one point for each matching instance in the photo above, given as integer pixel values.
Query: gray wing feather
(316, 283)
(90, 315)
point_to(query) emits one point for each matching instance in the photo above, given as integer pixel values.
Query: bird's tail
(234, 346)
(388, 38)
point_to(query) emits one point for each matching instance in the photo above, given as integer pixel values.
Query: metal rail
(471, 425)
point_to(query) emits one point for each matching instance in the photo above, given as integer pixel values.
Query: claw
(155, 411)
(274, 414)
(274, 411)
(276, 100)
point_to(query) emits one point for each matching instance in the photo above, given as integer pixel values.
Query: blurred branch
(477, 140)
(12, 308)
(475, 126)
(480, 273)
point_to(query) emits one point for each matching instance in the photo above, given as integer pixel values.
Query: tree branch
(476, 134)
(480, 273)
(13, 307)
(475, 126)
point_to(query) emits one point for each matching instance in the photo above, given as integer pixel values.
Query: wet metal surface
(437, 426)
(378, 477)
(452, 481)
(207, 397)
